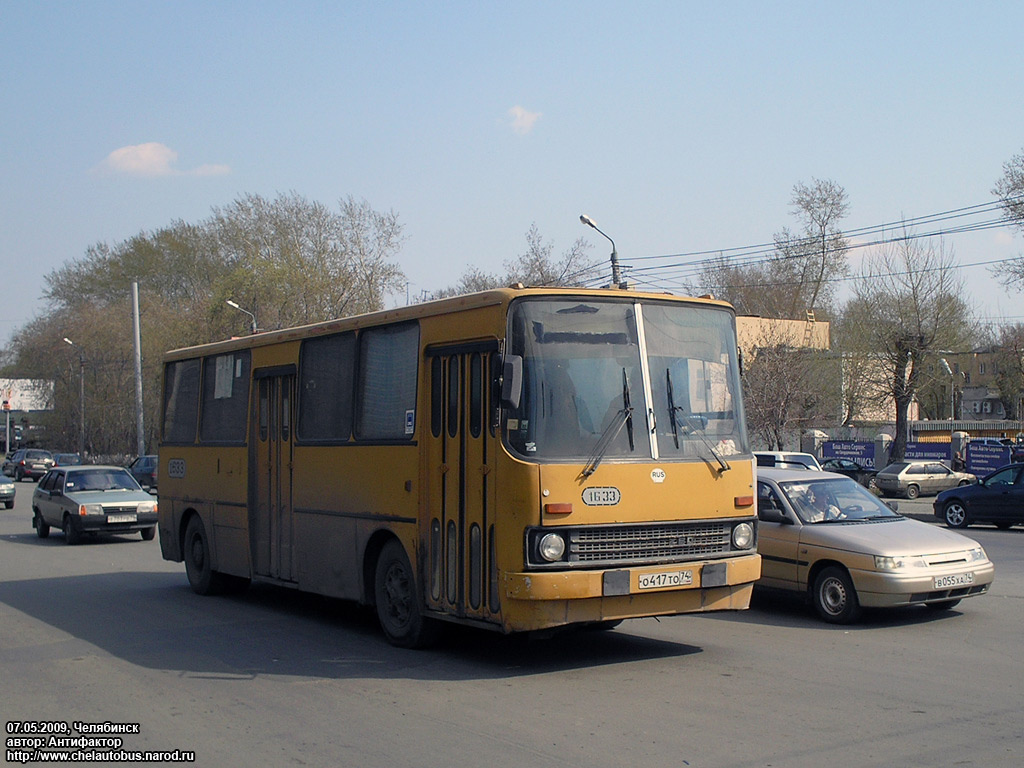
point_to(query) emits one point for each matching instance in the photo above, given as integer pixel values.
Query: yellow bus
(519, 459)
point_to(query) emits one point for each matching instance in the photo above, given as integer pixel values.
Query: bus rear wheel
(196, 551)
(398, 604)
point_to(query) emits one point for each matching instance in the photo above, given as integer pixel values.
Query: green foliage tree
(289, 260)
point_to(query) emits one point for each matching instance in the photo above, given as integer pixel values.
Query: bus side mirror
(511, 380)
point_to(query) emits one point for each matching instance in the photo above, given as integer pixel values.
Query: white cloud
(523, 120)
(153, 159)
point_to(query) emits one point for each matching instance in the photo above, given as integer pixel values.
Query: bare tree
(786, 388)
(1010, 191)
(801, 272)
(908, 303)
(535, 267)
(1009, 378)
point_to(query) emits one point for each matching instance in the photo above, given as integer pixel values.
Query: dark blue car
(998, 499)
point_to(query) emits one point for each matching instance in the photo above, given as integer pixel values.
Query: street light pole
(252, 317)
(81, 398)
(616, 272)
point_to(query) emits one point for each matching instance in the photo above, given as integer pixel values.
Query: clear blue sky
(677, 126)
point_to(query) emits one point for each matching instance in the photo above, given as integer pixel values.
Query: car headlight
(743, 536)
(146, 507)
(976, 555)
(90, 509)
(551, 547)
(899, 562)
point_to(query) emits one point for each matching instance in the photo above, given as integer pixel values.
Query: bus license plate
(665, 580)
(121, 518)
(956, 580)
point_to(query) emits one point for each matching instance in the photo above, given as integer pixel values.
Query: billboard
(27, 394)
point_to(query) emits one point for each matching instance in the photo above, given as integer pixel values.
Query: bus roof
(494, 297)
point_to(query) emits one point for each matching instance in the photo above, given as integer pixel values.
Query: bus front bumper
(573, 597)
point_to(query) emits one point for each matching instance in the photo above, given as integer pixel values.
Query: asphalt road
(109, 632)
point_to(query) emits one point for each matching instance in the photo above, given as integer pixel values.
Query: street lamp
(81, 398)
(616, 273)
(252, 317)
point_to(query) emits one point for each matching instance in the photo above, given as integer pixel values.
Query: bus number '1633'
(601, 497)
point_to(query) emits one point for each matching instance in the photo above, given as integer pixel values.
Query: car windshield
(100, 480)
(625, 379)
(834, 500)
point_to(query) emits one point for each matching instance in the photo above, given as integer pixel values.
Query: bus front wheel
(398, 605)
(202, 577)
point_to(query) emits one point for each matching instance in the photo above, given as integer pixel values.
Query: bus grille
(649, 543)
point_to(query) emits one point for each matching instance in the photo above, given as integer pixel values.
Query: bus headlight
(551, 547)
(743, 536)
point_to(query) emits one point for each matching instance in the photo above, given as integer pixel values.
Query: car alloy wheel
(955, 514)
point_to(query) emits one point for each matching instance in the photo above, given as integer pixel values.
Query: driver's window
(767, 500)
(1004, 477)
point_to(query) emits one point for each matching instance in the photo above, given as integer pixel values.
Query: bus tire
(398, 603)
(196, 552)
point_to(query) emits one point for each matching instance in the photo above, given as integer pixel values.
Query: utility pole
(140, 442)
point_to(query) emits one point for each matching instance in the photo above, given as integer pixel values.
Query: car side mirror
(893, 505)
(772, 515)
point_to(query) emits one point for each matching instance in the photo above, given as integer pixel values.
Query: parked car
(826, 536)
(144, 469)
(28, 462)
(786, 459)
(7, 492)
(66, 459)
(998, 499)
(913, 478)
(93, 499)
(852, 469)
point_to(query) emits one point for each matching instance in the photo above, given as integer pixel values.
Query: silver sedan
(826, 536)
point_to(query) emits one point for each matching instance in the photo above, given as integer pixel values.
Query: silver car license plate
(121, 518)
(954, 580)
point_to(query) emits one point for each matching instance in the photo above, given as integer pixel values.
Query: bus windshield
(625, 380)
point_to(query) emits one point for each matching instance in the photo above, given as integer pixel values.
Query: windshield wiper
(672, 408)
(622, 417)
(699, 432)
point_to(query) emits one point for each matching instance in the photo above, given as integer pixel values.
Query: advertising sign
(934, 451)
(982, 459)
(27, 394)
(861, 451)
